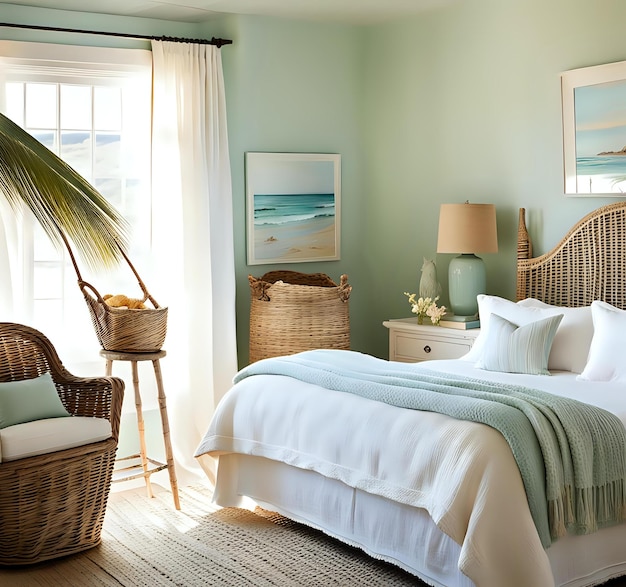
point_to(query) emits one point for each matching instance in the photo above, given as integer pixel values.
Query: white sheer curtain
(193, 238)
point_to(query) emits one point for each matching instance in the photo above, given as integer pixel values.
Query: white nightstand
(410, 342)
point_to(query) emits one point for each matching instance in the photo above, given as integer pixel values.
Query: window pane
(75, 107)
(47, 138)
(41, 105)
(76, 151)
(111, 189)
(107, 108)
(15, 102)
(107, 155)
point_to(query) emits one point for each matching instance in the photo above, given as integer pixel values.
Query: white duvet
(463, 474)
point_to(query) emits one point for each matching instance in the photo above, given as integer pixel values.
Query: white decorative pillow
(511, 311)
(570, 348)
(608, 347)
(510, 348)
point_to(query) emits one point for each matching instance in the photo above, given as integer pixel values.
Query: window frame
(26, 62)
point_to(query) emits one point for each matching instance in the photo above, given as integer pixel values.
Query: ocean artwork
(600, 127)
(293, 207)
(285, 223)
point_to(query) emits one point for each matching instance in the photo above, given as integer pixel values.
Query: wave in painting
(615, 165)
(290, 208)
(294, 226)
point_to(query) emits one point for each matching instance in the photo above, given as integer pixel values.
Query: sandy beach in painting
(310, 239)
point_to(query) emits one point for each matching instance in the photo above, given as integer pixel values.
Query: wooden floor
(148, 543)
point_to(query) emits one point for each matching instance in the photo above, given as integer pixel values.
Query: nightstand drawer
(411, 348)
(410, 342)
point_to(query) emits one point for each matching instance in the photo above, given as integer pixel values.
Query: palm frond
(617, 180)
(65, 204)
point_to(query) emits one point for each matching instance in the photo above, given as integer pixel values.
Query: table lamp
(467, 229)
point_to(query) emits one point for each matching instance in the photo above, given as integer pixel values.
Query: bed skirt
(397, 533)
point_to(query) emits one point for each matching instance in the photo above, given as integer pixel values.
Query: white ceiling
(341, 11)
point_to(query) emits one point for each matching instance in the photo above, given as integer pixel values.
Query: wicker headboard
(588, 264)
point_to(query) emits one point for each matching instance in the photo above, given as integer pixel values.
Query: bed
(456, 502)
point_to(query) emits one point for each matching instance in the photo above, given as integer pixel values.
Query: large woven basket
(292, 312)
(124, 330)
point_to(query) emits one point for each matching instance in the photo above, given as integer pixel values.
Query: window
(90, 106)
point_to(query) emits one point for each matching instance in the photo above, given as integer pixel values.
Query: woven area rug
(146, 542)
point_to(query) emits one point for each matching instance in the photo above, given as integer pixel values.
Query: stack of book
(451, 321)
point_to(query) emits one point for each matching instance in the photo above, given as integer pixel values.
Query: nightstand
(410, 342)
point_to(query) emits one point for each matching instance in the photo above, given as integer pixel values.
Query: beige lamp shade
(467, 228)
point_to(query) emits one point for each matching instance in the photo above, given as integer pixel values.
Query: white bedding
(471, 490)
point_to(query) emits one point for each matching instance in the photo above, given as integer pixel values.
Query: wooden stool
(147, 465)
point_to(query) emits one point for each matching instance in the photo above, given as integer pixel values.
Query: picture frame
(594, 130)
(293, 203)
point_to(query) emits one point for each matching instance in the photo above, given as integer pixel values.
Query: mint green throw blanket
(571, 455)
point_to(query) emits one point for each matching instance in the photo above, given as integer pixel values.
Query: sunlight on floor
(182, 521)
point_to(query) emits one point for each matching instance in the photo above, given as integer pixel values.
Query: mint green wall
(295, 87)
(455, 104)
(464, 103)
(458, 103)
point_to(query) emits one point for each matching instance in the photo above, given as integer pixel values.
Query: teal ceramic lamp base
(467, 277)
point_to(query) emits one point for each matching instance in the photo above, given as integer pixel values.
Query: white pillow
(519, 349)
(570, 347)
(608, 347)
(516, 313)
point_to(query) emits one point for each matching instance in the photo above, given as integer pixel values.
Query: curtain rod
(212, 41)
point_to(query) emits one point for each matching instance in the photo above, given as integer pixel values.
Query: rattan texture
(121, 329)
(291, 312)
(53, 505)
(588, 264)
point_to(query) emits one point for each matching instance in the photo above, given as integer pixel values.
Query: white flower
(435, 313)
(426, 307)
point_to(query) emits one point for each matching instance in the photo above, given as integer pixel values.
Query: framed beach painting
(293, 207)
(594, 130)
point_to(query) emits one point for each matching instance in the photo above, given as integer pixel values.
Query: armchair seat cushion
(50, 435)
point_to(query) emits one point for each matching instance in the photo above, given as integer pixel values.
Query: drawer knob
(427, 349)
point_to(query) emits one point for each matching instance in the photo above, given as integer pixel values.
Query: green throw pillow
(28, 400)
(510, 348)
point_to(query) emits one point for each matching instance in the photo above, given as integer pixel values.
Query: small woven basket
(125, 330)
(292, 312)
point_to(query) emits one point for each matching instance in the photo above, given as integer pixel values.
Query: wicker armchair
(53, 504)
